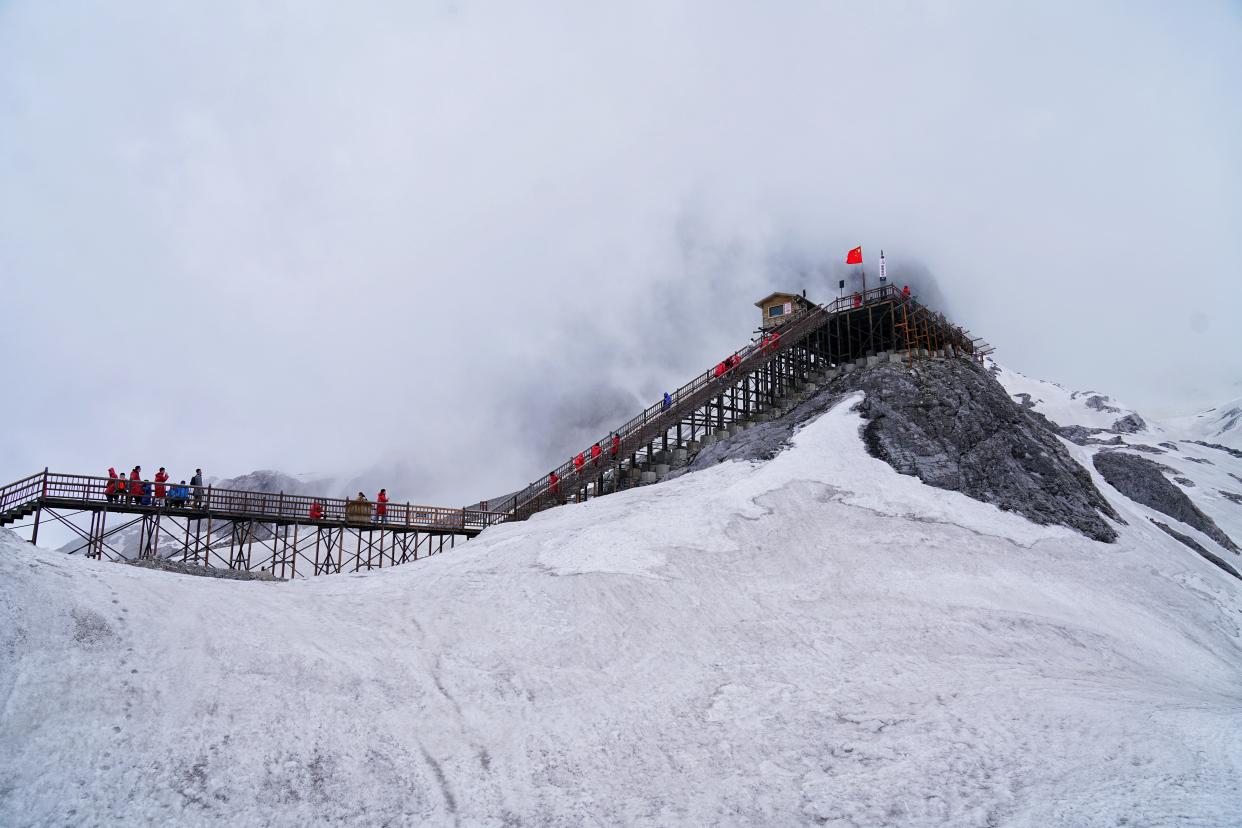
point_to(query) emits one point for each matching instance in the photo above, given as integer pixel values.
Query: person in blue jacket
(146, 493)
(668, 402)
(179, 494)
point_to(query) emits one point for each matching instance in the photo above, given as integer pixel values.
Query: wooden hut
(780, 307)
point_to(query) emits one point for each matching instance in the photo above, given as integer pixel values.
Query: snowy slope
(1210, 475)
(1221, 424)
(1090, 409)
(814, 640)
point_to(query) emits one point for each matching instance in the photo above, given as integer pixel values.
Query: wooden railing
(632, 436)
(752, 355)
(86, 491)
(17, 494)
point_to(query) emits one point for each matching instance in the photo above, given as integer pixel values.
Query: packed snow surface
(811, 640)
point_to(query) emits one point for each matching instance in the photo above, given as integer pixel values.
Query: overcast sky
(441, 245)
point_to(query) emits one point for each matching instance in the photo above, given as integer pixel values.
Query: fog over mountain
(439, 246)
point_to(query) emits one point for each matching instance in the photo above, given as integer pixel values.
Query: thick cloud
(450, 243)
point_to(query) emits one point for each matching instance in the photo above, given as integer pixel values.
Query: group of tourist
(358, 509)
(135, 491)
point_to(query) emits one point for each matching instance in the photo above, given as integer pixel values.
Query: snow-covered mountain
(1221, 425)
(797, 629)
(1181, 464)
(1085, 409)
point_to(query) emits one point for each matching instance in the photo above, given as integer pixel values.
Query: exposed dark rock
(1085, 436)
(1142, 481)
(1099, 402)
(204, 571)
(1129, 424)
(1185, 481)
(763, 440)
(1170, 446)
(1198, 547)
(952, 425)
(1202, 460)
(1232, 452)
(1234, 476)
(1082, 435)
(1233, 497)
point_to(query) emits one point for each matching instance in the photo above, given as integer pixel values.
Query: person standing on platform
(667, 402)
(161, 477)
(579, 462)
(381, 506)
(113, 481)
(905, 291)
(596, 451)
(616, 446)
(135, 485)
(197, 483)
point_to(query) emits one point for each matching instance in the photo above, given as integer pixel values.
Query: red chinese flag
(854, 256)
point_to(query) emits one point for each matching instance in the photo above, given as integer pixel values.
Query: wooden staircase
(17, 513)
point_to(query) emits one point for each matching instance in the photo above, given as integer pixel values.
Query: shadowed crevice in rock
(1143, 481)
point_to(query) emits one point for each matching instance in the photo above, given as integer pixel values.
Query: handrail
(693, 395)
(791, 332)
(15, 495)
(268, 505)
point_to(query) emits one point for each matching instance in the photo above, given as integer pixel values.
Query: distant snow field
(811, 640)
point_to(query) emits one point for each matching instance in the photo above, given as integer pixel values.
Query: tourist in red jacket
(110, 491)
(135, 485)
(579, 462)
(616, 445)
(316, 511)
(596, 451)
(161, 477)
(381, 505)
